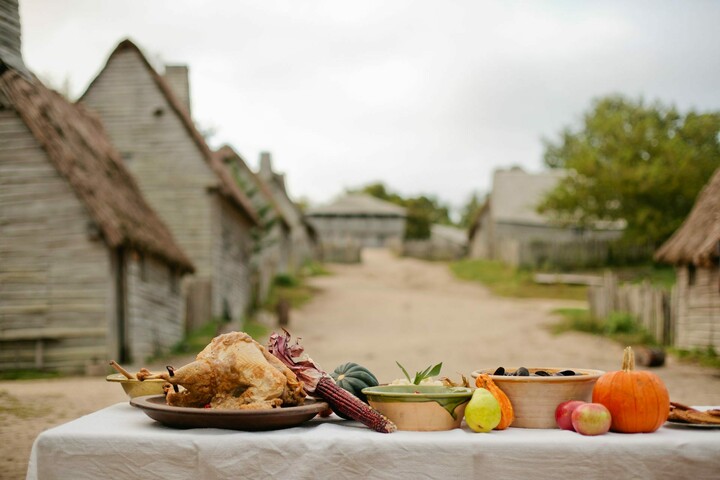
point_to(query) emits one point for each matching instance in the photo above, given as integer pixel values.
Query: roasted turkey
(232, 372)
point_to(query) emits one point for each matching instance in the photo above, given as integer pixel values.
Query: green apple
(482, 413)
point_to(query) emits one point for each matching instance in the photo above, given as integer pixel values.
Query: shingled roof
(226, 184)
(78, 147)
(358, 204)
(227, 152)
(697, 241)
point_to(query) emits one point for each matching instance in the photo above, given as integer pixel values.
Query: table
(121, 442)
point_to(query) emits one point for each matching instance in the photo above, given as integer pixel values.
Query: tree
(643, 164)
(422, 211)
(470, 211)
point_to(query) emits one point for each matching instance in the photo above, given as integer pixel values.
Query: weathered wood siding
(155, 307)
(302, 248)
(53, 277)
(270, 248)
(175, 178)
(231, 288)
(698, 308)
(168, 166)
(367, 230)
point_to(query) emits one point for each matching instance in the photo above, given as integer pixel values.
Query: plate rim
(143, 403)
(692, 425)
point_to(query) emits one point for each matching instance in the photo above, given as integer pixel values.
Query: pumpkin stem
(628, 364)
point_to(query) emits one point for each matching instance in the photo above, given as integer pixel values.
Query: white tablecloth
(121, 442)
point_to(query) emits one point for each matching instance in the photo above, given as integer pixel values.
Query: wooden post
(283, 312)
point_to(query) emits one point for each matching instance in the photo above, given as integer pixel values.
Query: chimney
(265, 165)
(10, 43)
(178, 78)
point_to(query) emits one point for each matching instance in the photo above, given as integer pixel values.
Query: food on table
(638, 400)
(506, 409)
(524, 372)
(591, 419)
(232, 372)
(317, 382)
(121, 370)
(482, 412)
(563, 414)
(353, 378)
(683, 413)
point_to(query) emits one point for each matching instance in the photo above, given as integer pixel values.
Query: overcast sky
(426, 96)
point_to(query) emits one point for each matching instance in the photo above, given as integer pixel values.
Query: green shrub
(285, 280)
(620, 322)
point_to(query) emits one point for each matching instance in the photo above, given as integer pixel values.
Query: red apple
(591, 419)
(563, 412)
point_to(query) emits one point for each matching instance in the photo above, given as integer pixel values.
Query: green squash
(353, 378)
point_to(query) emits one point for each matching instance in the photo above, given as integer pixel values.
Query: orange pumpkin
(506, 409)
(638, 400)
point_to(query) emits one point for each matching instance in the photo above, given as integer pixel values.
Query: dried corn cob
(317, 381)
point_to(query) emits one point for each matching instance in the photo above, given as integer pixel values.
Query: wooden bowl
(421, 408)
(136, 388)
(534, 398)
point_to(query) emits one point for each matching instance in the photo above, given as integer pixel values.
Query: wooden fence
(653, 307)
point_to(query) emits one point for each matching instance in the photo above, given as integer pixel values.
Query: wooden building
(508, 227)
(148, 118)
(694, 249)
(271, 240)
(362, 218)
(88, 271)
(303, 236)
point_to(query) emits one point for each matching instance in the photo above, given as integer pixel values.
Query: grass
(620, 327)
(662, 276)
(507, 281)
(707, 357)
(28, 375)
(197, 339)
(293, 289)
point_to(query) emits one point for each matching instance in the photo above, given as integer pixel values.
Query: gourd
(506, 409)
(353, 378)
(638, 400)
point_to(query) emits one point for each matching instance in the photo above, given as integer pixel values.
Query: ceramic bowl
(420, 407)
(135, 388)
(534, 398)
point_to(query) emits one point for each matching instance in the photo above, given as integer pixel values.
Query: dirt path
(384, 310)
(417, 313)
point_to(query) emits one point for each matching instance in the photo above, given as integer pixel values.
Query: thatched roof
(697, 241)
(77, 145)
(226, 184)
(227, 152)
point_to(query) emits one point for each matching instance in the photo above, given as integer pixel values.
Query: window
(691, 274)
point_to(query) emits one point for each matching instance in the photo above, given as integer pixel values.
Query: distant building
(445, 243)
(509, 220)
(361, 218)
(303, 237)
(88, 270)
(148, 118)
(271, 247)
(694, 249)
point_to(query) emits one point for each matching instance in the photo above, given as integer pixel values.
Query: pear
(482, 413)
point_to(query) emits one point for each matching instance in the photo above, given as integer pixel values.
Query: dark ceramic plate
(155, 407)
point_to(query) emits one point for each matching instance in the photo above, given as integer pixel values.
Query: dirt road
(382, 311)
